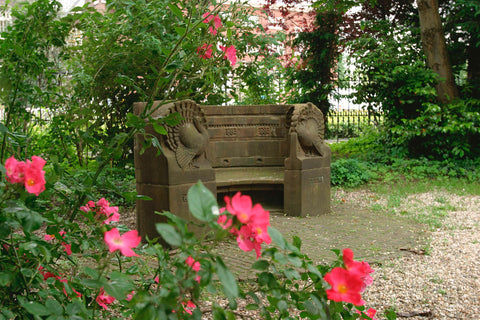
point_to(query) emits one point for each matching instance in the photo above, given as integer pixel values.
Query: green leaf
(178, 221)
(92, 283)
(176, 11)
(54, 307)
(9, 314)
(310, 307)
(5, 231)
(292, 274)
(45, 252)
(282, 305)
(169, 234)
(5, 278)
(321, 305)
(75, 308)
(201, 202)
(157, 145)
(277, 237)
(297, 242)
(228, 281)
(3, 129)
(92, 273)
(119, 285)
(34, 308)
(180, 30)
(30, 220)
(390, 314)
(293, 259)
(142, 197)
(314, 270)
(280, 257)
(134, 121)
(260, 265)
(159, 129)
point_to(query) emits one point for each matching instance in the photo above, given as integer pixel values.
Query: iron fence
(5, 21)
(349, 123)
(346, 118)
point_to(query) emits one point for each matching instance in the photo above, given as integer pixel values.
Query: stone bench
(252, 149)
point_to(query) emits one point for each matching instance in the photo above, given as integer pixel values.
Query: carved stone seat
(235, 148)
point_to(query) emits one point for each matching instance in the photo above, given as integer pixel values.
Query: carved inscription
(231, 132)
(316, 179)
(264, 131)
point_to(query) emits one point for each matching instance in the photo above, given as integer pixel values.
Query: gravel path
(442, 282)
(445, 282)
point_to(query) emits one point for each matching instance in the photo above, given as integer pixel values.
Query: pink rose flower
(124, 243)
(35, 176)
(103, 299)
(217, 22)
(230, 54)
(195, 265)
(15, 170)
(205, 51)
(361, 268)
(345, 286)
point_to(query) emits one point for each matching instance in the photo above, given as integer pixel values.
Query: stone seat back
(248, 145)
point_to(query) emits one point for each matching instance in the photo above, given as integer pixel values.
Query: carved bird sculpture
(189, 138)
(308, 135)
(193, 140)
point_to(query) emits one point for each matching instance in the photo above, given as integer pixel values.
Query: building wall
(290, 22)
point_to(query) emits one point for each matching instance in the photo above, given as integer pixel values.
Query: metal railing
(5, 21)
(349, 123)
(346, 118)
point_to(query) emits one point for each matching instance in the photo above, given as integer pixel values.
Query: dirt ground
(373, 235)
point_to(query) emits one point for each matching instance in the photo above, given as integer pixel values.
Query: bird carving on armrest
(307, 131)
(193, 138)
(189, 138)
(307, 121)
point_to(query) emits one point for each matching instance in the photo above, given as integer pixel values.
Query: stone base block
(307, 192)
(164, 198)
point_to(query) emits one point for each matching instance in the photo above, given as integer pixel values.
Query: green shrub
(369, 145)
(350, 172)
(442, 132)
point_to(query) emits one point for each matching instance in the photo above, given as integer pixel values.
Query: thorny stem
(102, 166)
(7, 122)
(177, 46)
(119, 262)
(19, 265)
(132, 132)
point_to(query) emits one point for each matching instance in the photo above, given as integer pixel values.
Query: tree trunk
(473, 69)
(435, 49)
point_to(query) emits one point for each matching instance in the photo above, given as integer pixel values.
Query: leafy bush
(391, 73)
(91, 267)
(343, 130)
(393, 78)
(442, 132)
(350, 172)
(368, 146)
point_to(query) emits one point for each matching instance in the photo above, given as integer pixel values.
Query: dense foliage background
(384, 63)
(67, 85)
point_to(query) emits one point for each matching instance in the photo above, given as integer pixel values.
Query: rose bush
(63, 253)
(93, 267)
